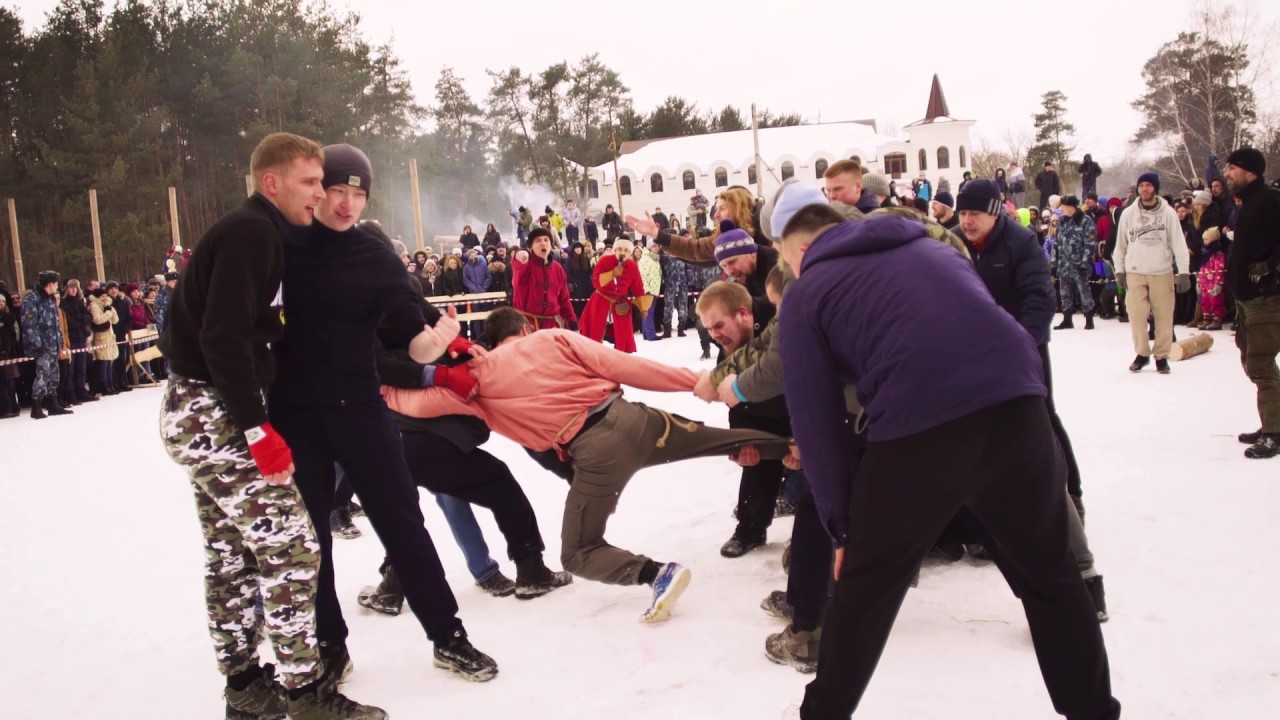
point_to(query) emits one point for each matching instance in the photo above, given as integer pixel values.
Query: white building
(664, 173)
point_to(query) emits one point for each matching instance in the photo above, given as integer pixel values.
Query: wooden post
(174, 233)
(248, 185)
(755, 136)
(17, 248)
(97, 236)
(617, 181)
(417, 205)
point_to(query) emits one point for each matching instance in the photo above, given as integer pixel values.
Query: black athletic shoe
(355, 508)
(387, 597)
(978, 552)
(1138, 363)
(1267, 446)
(460, 656)
(737, 546)
(341, 525)
(335, 664)
(949, 552)
(263, 699)
(1099, 596)
(784, 508)
(1162, 366)
(1250, 438)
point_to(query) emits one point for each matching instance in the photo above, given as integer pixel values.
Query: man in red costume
(541, 286)
(618, 284)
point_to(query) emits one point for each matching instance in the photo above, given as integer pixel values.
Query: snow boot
(262, 699)
(460, 656)
(666, 333)
(387, 597)
(53, 407)
(1088, 321)
(341, 524)
(37, 409)
(497, 585)
(706, 355)
(535, 579)
(1267, 446)
(680, 332)
(1162, 366)
(796, 648)
(776, 605)
(1250, 438)
(320, 702)
(740, 545)
(1138, 363)
(1214, 323)
(670, 583)
(1066, 323)
(1098, 595)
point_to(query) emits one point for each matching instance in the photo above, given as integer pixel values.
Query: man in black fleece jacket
(339, 283)
(213, 421)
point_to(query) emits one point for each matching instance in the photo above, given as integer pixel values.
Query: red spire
(937, 102)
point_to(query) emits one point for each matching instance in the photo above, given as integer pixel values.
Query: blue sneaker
(672, 579)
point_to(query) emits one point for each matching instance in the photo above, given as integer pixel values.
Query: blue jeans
(650, 332)
(466, 532)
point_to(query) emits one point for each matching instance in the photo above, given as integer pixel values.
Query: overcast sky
(830, 60)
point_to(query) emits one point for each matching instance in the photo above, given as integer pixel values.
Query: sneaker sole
(662, 607)
(530, 593)
(347, 535)
(482, 676)
(805, 668)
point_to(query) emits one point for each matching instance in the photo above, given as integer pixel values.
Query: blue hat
(1150, 177)
(784, 204)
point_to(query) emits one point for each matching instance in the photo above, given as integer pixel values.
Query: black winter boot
(1088, 321)
(37, 409)
(535, 579)
(55, 408)
(1066, 323)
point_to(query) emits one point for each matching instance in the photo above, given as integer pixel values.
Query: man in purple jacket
(953, 388)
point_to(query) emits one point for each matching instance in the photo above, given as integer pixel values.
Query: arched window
(895, 165)
(788, 171)
(655, 183)
(963, 159)
(624, 185)
(722, 177)
(944, 158)
(591, 189)
(688, 179)
(924, 159)
(820, 169)
(751, 174)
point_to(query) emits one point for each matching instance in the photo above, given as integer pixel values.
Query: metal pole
(174, 234)
(97, 236)
(419, 241)
(755, 137)
(17, 247)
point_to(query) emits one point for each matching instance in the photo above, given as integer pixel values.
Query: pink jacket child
(558, 389)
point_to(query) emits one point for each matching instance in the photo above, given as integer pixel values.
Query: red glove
(459, 346)
(268, 449)
(457, 379)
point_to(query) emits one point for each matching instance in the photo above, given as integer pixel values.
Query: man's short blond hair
(277, 151)
(728, 296)
(845, 166)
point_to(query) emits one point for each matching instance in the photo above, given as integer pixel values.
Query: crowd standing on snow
(829, 440)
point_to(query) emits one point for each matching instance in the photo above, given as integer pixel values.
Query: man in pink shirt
(573, 404)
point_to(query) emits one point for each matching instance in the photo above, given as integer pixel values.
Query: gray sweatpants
(630, 437)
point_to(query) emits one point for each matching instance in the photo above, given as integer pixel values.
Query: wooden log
(174, 235)
(418, 239)
(1197, 344)
(17, 249)
(97, 236)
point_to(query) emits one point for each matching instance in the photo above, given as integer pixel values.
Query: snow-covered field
(102, 612)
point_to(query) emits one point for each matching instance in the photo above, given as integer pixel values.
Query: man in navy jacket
(953, 388)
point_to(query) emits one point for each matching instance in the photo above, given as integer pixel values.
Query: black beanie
(981, 195)
(346, 165)
(1249, 160)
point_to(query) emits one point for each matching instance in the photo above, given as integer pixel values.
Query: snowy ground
(103, 616)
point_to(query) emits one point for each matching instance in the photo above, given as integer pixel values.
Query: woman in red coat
(618, 284)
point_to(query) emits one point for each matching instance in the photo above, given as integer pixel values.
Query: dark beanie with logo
(347, 165)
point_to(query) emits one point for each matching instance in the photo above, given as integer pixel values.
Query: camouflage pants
(258, 537)
(46, 382)
(1073, 290)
